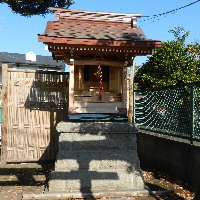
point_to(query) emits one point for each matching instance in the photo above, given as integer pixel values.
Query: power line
(172, 10)
(165, 14)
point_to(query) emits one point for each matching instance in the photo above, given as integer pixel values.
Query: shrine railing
(173, 110)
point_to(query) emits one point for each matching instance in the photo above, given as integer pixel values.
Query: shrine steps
(96, 107)
(89, 96)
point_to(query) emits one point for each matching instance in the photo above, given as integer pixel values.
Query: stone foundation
(96, 156)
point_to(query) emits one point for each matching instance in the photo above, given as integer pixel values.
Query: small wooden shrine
(97, 157)
(99, 47)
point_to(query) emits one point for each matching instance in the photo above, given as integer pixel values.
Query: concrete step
(97, 104)
(96, 110)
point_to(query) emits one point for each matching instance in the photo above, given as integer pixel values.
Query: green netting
(170, 110)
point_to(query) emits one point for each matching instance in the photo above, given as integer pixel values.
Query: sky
(19, 34)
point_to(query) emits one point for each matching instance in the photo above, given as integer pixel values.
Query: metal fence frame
(172, 110)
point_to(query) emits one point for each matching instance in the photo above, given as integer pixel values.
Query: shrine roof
(94, 30)
(91, 25)
(77, 33)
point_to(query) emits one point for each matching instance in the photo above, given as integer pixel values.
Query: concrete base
(97, 195)
(96, 156)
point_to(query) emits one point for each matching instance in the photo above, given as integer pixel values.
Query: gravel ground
(27, 178)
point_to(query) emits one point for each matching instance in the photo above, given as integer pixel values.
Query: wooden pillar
(71, 86)
(131, 87)
(124, 87)
(4, 113)
(81, 77)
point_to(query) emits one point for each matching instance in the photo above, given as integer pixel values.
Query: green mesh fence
(173, 110)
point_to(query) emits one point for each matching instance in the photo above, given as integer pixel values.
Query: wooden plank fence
(33, 103)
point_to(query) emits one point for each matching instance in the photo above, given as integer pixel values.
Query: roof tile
(94, 30)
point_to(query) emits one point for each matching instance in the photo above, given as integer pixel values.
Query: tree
(35, 7)
(174, 62)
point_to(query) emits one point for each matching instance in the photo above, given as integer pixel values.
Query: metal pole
(191, 113)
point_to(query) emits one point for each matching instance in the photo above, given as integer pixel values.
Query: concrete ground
(32, 178)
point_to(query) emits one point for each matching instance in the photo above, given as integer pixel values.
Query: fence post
(191, 113)
(4, 113)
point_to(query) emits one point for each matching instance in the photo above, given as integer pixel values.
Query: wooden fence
(33, 102)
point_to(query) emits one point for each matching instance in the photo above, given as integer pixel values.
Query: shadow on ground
(23, 176)
(26, 178)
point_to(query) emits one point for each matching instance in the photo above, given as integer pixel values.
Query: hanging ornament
(97, 73)
(100, 83)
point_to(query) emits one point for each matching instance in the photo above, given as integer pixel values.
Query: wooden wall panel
(36, 102)
(115, 73)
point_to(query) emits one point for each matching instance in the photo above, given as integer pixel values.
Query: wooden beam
(71, 84)
(151, 44)
(96, 62)
(4, 113)
(67, 47)
(59, 51)
(93, 15)
(124, 87)
(62, 47)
